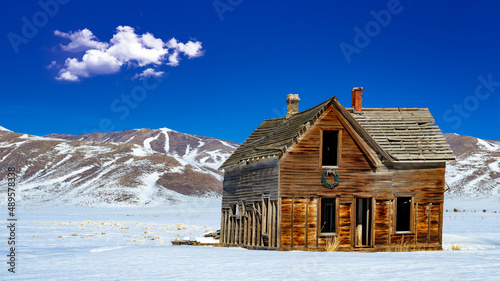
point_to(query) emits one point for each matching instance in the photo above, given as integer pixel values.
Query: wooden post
(293, 209)
(222, 226)
(236, 230)
(259, 223)
(249, 228)
(254, 226)
(440, 227)
(389, 215)
(278, 224)
(416, 224)
(318, 220)
(307, 218)
(273, 224)
(245, 229)
(229, 228)
(429, 223)
(226, 225)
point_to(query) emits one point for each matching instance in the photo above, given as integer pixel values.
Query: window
(234, 209)
(330, 148)
(328, 215)
(403, 214)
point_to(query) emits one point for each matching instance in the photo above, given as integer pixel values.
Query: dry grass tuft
(333, 244)
(403, 246)
(455, 247)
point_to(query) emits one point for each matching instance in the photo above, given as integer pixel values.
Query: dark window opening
(403, 213)
(327, 215)
(330, 148)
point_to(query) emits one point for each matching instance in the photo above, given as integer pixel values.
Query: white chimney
(292, 105)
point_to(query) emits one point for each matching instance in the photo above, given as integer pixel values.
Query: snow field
(75, 243)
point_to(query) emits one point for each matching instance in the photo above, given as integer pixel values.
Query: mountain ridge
(476, 173)
(142, 166)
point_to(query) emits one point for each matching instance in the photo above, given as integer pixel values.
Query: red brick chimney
(357, 98)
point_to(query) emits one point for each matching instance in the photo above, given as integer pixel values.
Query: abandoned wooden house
(367, 179)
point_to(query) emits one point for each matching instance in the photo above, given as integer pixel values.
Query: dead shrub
(333, 244)
(403, 246)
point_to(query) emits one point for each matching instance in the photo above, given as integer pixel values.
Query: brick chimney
(292, 105)
(357, 98)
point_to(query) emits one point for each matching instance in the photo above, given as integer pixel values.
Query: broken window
(328, 215)
(330, 148)
(234, 209)
(403, 214)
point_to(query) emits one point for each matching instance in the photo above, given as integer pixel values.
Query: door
(364, 222)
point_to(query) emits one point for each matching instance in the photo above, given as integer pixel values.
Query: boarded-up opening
(330, 145)
(403, 214)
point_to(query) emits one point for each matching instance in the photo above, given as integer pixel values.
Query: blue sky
(236, 60)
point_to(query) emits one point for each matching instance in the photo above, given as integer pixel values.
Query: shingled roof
(396, 134)
(407, 134)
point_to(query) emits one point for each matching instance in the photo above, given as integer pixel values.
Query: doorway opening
(364, 220)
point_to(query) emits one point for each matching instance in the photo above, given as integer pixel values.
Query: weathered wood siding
(382, 222)
(249, 182)
(255, 225)
(300, 171)
(253, 190)
(425, 181)
(300, 188)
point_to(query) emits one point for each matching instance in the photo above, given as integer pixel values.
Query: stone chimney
(292, 105)
(357, 98)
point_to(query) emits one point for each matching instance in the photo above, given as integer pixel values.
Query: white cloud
(129, 47)
(190, 49)
(173, 59)
(81, 40)
(94, 62)
(125, 48)
(148, 73)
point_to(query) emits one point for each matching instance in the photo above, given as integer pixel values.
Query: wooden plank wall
(382, 222)
(299, 223)
(253, 227)
(426, 229)
(425, 181)
(300, 171)
(345, 224)
(248, 182)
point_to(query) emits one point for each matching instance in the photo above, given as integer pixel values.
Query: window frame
(335, 216)
(339, 147)
(412, 214)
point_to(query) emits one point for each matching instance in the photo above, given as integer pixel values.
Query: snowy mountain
(185, 148)
(133, 167)
(4, 129)
(477, 170)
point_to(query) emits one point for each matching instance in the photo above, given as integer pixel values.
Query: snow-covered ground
(76, 243)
